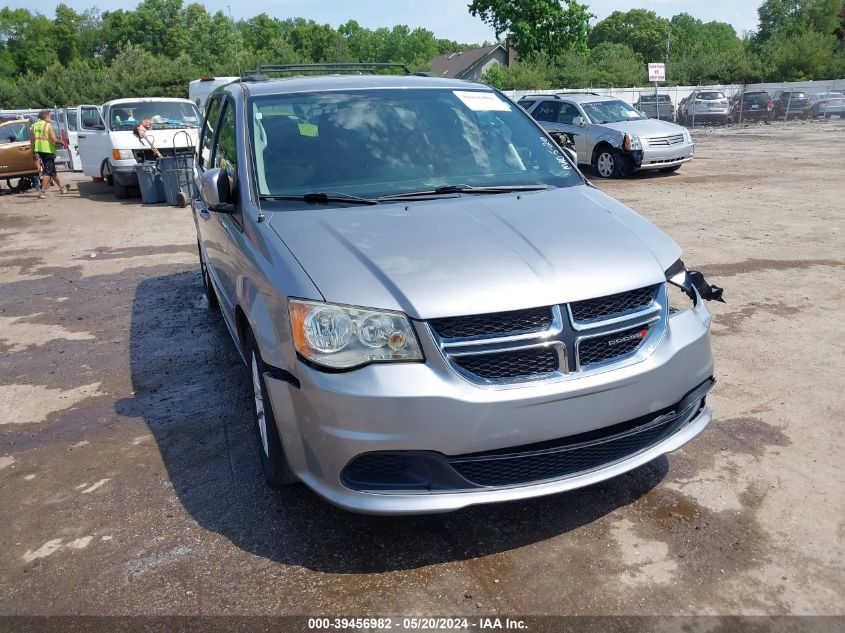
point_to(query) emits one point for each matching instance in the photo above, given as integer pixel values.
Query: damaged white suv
(438, 310)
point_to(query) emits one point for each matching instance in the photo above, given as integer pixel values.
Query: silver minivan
(437, 309)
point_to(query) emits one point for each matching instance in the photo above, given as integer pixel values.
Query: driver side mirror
(216, 192)
(578, 120)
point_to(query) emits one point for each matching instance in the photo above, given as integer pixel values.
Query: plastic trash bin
(150, 183)
(177, 172)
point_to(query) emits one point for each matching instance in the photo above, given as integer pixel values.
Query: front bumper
(663, 157)
(754, 115)
(704, 113)
(330, 419)
(123, 172)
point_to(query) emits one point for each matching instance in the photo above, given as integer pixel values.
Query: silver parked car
(437, 309)
(826, 104)
(704, 107)
(613, 137)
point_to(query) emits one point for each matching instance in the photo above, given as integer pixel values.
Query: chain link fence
(727, 105)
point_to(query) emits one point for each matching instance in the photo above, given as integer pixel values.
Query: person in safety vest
(44, 143)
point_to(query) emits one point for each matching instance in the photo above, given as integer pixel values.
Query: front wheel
(609, 163)
(273, 460)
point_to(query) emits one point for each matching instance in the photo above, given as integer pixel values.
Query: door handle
(81, 136)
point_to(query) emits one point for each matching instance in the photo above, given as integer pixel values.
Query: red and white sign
(657, 72)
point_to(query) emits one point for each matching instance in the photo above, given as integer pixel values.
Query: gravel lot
(130, 480)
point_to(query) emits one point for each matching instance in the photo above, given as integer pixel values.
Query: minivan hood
(476, 254)
(646, 127)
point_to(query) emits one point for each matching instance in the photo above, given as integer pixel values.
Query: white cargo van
(108, 149)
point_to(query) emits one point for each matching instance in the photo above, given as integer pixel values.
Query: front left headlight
(636, 144)
(346, 337)
(122, 154)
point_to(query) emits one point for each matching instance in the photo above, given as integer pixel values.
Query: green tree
(644, 31)
(317, 42)
(537, 26)
(29, 38)
(616, 65)
(792, 17)
(66, 31)
(807, 55)
(260, 32)
(526, 75)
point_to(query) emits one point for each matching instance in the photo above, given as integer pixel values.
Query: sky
(446, 18)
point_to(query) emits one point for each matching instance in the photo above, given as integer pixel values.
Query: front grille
(549, 343)
(571, 456)
(378, 464)
(612, 306)
(570, 459)
(515, 365)
(665, 141)
(615, 346)
(518, 321)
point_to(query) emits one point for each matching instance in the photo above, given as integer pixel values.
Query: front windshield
(373, 143)
(614, 111)
(163, 114)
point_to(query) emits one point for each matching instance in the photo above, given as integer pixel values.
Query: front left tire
(274, 463)
(610, 163)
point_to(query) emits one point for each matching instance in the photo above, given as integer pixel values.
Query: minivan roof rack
(539, 97)
(579, 92)
(261, 73)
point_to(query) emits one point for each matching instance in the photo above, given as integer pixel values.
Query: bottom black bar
(294, 624)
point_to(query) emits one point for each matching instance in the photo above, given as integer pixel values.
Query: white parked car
(109, 149)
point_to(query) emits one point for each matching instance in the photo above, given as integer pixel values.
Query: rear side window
(547, 111)
(527, 104)
(208, 131)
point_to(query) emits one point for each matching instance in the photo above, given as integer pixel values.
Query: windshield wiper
(450, 189)
(319, 197)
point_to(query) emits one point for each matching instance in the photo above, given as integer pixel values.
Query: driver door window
(208, 128)
(91, 118)
(225, 149)
(567, 113)
(225, 152)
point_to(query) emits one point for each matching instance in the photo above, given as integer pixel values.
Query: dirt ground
(129, 474)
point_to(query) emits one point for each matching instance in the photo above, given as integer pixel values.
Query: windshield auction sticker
(482, 101)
